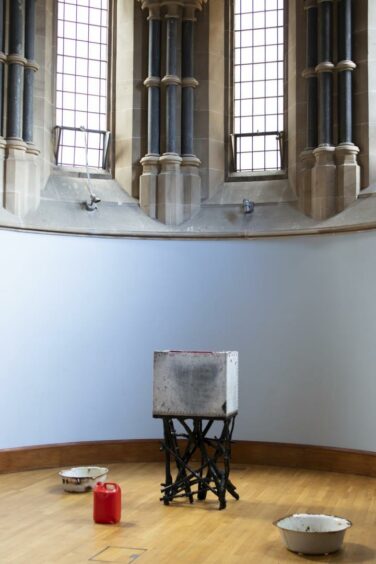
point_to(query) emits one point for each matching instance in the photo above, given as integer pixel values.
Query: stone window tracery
(82, 82)
(258, 85)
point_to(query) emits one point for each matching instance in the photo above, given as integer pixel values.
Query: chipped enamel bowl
(82, 478)
(308, 533)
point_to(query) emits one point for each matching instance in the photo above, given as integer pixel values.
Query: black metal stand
(214, 459)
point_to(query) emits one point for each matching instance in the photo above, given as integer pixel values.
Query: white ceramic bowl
(82, 478)
(308, 533)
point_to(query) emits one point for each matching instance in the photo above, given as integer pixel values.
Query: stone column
(170, 205)
(15, 167)
(348, 171)
(149, 177)
(30, 68)
(324, 171)
(16, 62)
(325, 69)
(2, 62)
(190, 164)
(170, 186)
(310, 74)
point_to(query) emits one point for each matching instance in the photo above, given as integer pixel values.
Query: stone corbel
(324, 183)
(348, 175)
(170, 201)
(148, 185)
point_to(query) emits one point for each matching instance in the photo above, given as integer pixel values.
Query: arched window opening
(82, 135)
(259, 83)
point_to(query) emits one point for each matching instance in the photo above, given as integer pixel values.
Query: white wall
(80, 318)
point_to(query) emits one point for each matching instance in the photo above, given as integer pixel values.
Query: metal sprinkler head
(248, 206)
(91, 205)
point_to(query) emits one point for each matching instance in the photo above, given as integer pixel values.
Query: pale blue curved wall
(80, 318)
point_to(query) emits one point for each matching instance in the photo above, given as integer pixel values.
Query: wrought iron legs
(212, 454)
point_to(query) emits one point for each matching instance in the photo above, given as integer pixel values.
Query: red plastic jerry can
(107, 502)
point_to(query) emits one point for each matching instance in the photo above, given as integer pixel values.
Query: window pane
(81, 82)
(258, 83)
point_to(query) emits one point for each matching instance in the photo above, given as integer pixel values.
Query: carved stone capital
(325, 66)
(154, 7)
(189, 14)
(170, 161)
(16, 144)
(190, 161)
(345, 65)
(150, 4)
(346, 153)
(15, 59)
(309, 73)
(196, 4)
(150, 163)
(173, 8)
(307, 157)
(189, 82)
(33, 65)
(310, 4)
(152, 81)
(324, 154)
(32, 149)
(190, 8)
(154, 12)
(171, 79)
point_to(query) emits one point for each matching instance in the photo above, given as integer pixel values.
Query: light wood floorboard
(39, 523)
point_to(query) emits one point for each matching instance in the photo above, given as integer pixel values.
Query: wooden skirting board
(148, 450)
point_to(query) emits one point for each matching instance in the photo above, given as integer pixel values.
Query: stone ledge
(118, 215)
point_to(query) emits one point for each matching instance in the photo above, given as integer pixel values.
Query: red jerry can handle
(107, 487)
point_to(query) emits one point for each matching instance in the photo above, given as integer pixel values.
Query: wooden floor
(39, 523)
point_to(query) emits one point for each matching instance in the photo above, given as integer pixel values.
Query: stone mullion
(16, 63)
(348, 171)
(325, 69)
(345, 107)
(170, 186)
(190, 163)
(323, 180)
(150, 163)
(188, 84)
(310, 73)
(30, 68)
(153, 82)
(171, 80)
(170, 205)
(345, 68)
(307, 157)
(2, 62)
(2, 95)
